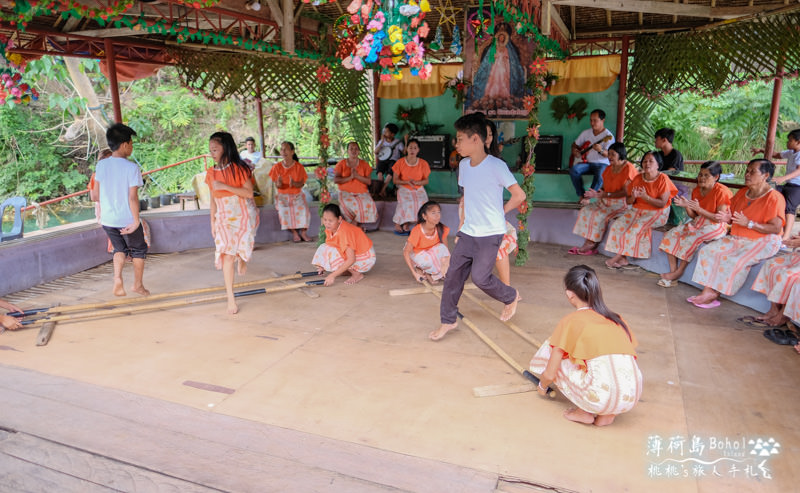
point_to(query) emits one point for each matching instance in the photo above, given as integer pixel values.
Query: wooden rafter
(671, 8)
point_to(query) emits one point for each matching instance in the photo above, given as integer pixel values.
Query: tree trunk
(96, 122)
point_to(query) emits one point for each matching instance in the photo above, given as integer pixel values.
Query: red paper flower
(530, 102)
(533, 132)
(321, 172)
(324, 74)
(324, 141)
(538, 66)
(324, 196)
(527, 170)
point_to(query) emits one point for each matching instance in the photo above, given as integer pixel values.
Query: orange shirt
(655, 189)
(761, 210)
(295, 172)
(717, 196)
(420, 171)
(348, 236)
(353, 186)
(585, 334)
(233, 177)
(420, 242)
(614, 182)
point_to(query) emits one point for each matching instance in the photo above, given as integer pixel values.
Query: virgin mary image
(499, 82)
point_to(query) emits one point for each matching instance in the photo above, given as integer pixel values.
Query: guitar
(585, 148)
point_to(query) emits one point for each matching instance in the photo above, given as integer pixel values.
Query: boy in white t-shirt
(117, 182)
(483, 178)
(791, 180)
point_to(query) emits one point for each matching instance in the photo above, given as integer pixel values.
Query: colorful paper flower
(530, 102)
(321, 172)
(324, 74)
(538, 66)
(324, 196)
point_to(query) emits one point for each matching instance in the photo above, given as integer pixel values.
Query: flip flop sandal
(666, 283)
(587, 252)
(748, 319)
(612, 267)
(573, 251)
(706, 306)
(628, 267)
(778, 336)
(793, 337)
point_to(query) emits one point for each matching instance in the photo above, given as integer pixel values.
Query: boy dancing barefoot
(117, 182)
(479, 238)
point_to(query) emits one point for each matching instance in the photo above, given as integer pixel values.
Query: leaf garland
(562, 109)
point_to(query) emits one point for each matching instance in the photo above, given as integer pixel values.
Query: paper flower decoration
(324, 74)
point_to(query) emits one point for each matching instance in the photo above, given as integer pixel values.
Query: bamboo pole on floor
(156, 297)
(167, 304)
(494, 347)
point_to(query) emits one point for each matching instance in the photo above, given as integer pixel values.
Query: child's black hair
(230, 154)
(795, 134)
(666, 133)
(117, 134)
(392, 128)
(472, 124)
(582, 280)
(424, 210)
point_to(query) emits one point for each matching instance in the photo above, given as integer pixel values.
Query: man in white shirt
(250, 154)
(590, 153)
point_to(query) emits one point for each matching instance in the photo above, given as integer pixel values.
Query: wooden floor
(344, 393)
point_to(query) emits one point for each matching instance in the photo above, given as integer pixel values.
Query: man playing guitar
(590, 153)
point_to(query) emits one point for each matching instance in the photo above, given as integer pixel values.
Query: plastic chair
(16, 231)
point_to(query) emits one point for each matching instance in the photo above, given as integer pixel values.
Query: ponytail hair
(291, 146)
(582, 280)
(424, 210)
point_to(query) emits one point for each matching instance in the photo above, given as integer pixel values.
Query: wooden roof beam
(549, 15)
(670, 8)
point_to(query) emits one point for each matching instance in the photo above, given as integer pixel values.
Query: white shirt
(254, 157)
(483, 196)
(588, 136)
(396, 146)
(116, 176)
(792, 162)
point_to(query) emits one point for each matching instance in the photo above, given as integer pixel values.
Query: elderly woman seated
(681, 243)
(775, 280)
(650, 193)
(757, 216)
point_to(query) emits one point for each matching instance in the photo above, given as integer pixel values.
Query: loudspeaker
(548, 152)
(433, 148)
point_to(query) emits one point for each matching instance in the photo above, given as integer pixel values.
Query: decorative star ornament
(447, 13)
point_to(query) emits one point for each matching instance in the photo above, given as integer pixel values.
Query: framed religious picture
(498, 68)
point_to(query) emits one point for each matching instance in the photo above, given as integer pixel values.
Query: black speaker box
(433, 148)
(548, 152)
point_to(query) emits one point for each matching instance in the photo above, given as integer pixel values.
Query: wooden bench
(188, 196)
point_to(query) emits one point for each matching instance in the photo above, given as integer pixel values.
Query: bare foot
(797, 348)
(304, 236)
(604, 420)
(233, 308)
(621, 262)
(119, 288)
(611, 265)
(141, 290)
(579, 416)
(442, 331)
(510, 309)
(296, 237)
(777, 321)
(355, 276)
(430, 279)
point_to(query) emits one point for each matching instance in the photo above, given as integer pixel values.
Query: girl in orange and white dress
(352, 175)
(410, 175)
(234, 217)
(681, 243)
(591, 355)
(289, 177)
(650, 194)
(757, 215)
(426, 252)
(611, 201)
(346, 249)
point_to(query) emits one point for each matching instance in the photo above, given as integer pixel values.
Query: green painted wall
(550, 187)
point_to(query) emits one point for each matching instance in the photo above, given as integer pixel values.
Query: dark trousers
(474, 256)
(132, 245)
(579, 169)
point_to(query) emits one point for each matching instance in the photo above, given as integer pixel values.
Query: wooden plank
(670, 8)
(45, 333)
(423, 289)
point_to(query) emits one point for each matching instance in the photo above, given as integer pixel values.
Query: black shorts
(791, 193)
(385, 167)
(132, 245)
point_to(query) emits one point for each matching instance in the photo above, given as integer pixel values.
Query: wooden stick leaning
(511, 325)
(494, 347)
(156, 297)
(166, 304)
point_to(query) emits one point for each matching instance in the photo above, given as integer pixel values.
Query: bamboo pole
(167, 304)
(511, 325)
(494, 347)
(156, 297)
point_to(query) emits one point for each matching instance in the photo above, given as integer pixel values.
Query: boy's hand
(130, 228)
(779, 180)
(10, 323)
(756, 151)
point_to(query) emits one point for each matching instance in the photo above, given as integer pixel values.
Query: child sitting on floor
(426, 250)
(590, 356)
(346, 249)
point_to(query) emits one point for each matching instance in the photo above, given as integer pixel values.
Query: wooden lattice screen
(220, 76)
(708, 62)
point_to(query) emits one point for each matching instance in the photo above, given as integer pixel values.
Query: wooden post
(112, 79)
(260, 113)
(623, 89)
(287, 29)
(774, 111)
(376, 104)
